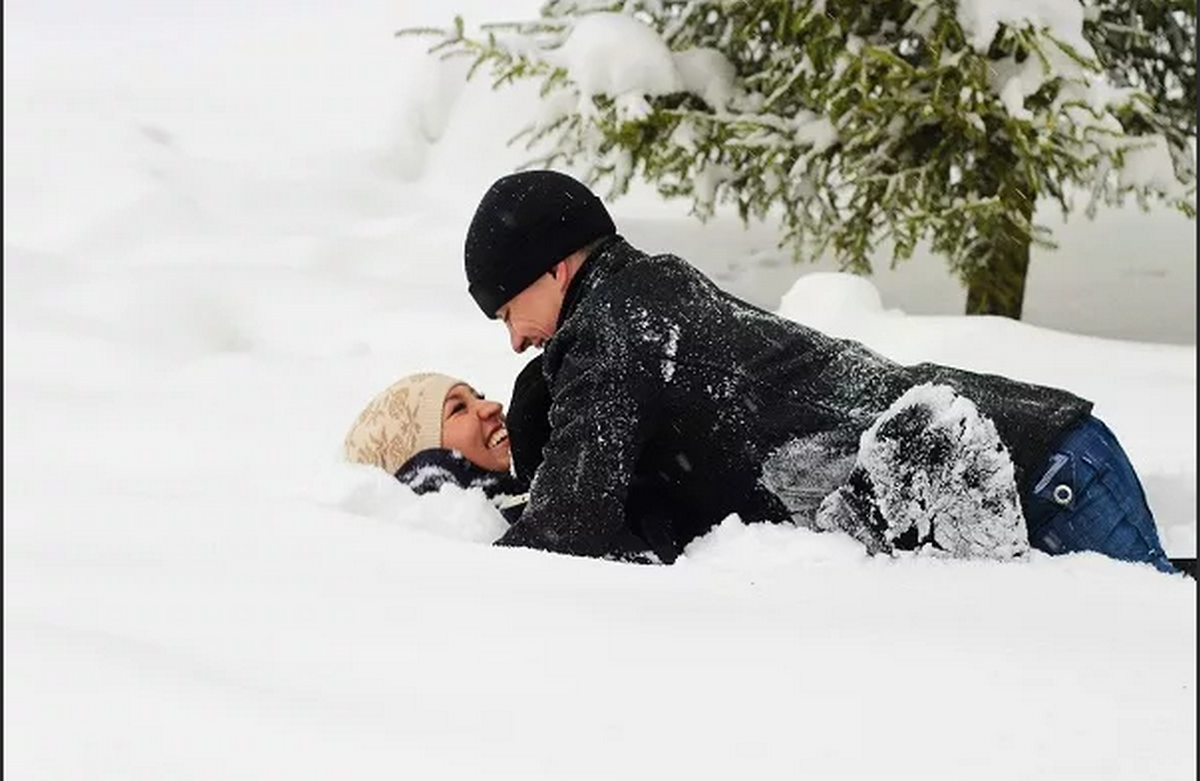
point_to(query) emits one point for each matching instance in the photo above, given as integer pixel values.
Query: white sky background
(228, 225)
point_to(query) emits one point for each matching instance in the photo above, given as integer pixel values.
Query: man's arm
(605, 404)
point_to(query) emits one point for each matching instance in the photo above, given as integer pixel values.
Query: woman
(431, 429)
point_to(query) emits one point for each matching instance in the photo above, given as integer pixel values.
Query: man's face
(474, 426)
(532, 315)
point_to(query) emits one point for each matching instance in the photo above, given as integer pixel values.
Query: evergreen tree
(867, 123)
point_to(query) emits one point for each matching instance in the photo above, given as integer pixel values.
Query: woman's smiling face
(474, 426)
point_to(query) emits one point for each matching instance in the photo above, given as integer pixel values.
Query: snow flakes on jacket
(428, 470)
(657, 372)
(931, 472)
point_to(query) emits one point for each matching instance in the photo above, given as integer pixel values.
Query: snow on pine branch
(863, 121)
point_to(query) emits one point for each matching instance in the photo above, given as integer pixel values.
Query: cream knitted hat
(400, 422)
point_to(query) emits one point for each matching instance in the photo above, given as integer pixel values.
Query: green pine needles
(866, 126)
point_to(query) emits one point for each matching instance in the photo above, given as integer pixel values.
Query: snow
(827, 296)
(1149, 164)
(227, 228)
(452, 513)
(1063, 19)
(1014, 82)
(814, 130)
(618, 55)
(707, 73)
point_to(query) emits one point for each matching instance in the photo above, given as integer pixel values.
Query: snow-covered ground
(227, 225)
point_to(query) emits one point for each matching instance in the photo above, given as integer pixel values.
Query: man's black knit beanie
(525, 224)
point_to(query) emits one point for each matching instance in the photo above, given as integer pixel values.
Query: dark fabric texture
(1090, 499)
(656, 372)
(528, 419)
(429, 470)
(1186, 566)
(525, 223)
(648, 524)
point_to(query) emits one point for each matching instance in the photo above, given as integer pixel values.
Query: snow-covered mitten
(852, 509)
(941, 478)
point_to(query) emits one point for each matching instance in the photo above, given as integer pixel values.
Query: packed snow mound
(760, 547)
(825, 297)
(453, 513)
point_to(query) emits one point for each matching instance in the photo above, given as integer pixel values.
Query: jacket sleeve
(528, 419)
(605, 400)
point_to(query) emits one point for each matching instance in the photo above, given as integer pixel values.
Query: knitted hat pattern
(400, 422)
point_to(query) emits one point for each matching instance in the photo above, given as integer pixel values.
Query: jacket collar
(600, 263)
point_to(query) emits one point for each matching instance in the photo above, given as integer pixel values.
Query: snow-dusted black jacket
(642, 541)
(655, 371)
(428, 470)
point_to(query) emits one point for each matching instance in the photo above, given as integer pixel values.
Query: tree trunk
(997, 287)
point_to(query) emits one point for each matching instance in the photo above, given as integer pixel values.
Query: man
(654, 372)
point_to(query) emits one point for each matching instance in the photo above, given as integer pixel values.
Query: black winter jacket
(643, 541)
(428, 470)
(655, 371)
